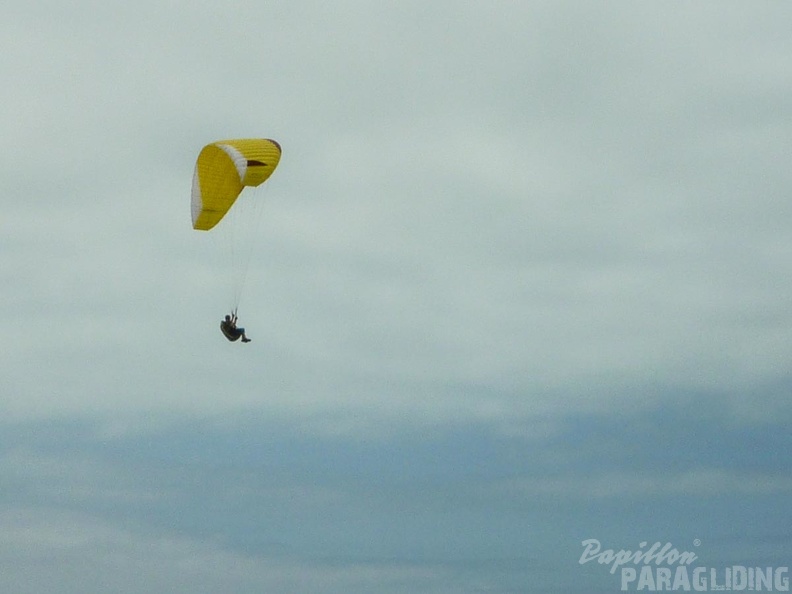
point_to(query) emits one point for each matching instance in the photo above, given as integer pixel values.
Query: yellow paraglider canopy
(222, 171)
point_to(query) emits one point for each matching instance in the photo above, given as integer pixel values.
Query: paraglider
(230, 329)
(222, 171)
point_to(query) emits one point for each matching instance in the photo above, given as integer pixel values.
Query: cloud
(701, 483)
(271, 503)
(49, 550)
(494, 207)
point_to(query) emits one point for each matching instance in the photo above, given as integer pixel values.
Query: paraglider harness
(229, 329)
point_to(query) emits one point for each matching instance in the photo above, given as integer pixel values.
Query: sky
(521, 280)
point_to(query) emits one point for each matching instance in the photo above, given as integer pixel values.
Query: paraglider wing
(222, 171)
